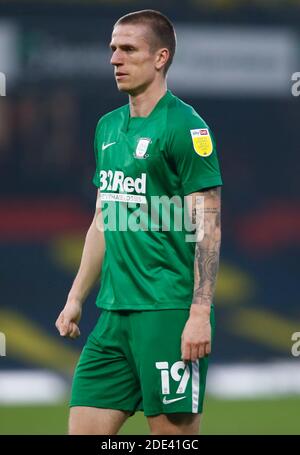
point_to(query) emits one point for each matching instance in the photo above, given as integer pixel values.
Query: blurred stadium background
(234, 63)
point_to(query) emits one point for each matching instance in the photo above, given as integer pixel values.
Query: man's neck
(141, 105)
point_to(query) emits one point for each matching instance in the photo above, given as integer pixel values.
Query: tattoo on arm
(208, 248)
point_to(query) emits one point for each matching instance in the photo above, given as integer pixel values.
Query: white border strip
(237, 381)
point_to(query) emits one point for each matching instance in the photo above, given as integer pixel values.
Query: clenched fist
(68, 320)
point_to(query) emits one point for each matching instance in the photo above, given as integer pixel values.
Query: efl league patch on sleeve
(202, 141)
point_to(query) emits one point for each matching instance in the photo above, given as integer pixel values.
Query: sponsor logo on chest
(116, 181)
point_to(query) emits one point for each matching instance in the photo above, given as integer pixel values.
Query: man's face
(132, 58)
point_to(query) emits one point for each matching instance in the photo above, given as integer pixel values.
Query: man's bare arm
(196, 337)
(87, 276)
(208, 249)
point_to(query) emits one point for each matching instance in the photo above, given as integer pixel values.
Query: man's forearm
(90, 266)
(207, 250)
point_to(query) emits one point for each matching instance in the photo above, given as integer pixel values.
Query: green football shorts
(132, 361)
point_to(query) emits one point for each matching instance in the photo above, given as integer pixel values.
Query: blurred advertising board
(234, 60)
(210, 61)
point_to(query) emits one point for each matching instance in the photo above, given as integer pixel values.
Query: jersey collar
(163, 101)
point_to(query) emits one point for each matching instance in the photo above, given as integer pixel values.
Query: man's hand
(67, 321)
(196, 337)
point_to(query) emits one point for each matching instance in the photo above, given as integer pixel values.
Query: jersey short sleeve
(192, 149)
(96, 178)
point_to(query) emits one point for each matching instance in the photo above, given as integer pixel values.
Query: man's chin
(127, 88)
(123, 87)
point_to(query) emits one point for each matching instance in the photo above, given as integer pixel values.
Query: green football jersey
(145, 166)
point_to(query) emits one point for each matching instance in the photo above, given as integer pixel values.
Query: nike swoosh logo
(165, 401)
(104, 146)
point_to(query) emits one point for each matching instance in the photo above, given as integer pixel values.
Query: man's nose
(116, 58)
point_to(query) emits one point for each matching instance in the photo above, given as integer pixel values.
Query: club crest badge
(141, 148)
(202, 142)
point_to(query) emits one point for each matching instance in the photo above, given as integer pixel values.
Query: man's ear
(162, 57)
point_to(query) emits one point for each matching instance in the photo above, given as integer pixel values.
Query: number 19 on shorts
(174, 371)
